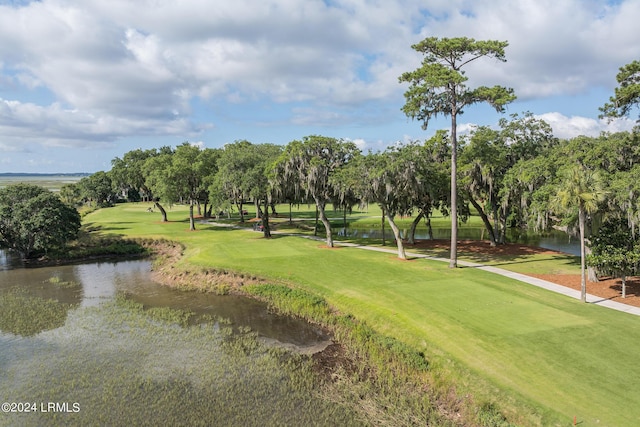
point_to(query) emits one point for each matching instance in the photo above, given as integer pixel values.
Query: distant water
(51, 181)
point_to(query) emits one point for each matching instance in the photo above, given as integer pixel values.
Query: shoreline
(354, 355)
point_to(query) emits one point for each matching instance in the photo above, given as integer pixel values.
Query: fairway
(554, 355)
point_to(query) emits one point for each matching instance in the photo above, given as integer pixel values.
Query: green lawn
(552, 353)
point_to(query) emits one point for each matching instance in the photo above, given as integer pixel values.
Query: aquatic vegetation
(161, 314)
(27, 315)
(55, 280)
(124, 365)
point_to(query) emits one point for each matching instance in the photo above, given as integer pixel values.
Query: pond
(554, 239)
(102, 344)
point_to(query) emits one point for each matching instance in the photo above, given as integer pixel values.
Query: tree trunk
(429, 227)
(624, 286)
(290, 214)
(266, 229)
(325, 222)
(344, 220)
(396, 232)
(382, 227)
(162, 211)
(496, 223)
(453, 256)
(258, 210)
(315, 227)
(411, 238)
(199, 208)
(192, 223)
(485, 220)
(592, 275)
(583, 278)
(239, 206)
(502, 237)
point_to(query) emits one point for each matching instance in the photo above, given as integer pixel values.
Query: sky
(84, 81)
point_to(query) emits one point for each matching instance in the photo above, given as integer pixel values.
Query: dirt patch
(333, 359)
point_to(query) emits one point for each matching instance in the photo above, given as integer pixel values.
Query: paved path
(593, 299)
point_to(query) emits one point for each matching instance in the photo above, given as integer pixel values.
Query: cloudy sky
(84, 81)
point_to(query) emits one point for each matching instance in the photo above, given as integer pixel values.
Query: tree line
(518, 175)
(515, 175)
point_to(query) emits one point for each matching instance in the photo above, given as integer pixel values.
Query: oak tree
(34, 221)
(311, 163)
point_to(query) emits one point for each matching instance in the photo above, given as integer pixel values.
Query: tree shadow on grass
(99, 229)
(481, 252)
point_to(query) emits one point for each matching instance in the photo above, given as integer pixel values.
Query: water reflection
(122, 366)
(100, 282)
(9, 260)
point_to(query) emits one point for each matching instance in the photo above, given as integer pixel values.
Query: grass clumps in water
(27, 315)
(125, 368)
(56, 281)
(161, 314)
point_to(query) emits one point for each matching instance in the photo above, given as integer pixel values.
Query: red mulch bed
(606, 288)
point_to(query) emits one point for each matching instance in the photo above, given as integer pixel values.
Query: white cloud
(554, 47)
(570, 127)
(360, 143)
(120, 68)
(365, 145)
(55, 126)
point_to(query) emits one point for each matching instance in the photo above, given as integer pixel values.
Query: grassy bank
(539, 357)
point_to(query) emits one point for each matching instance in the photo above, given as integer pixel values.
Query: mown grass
(539, 357)
(369, 218)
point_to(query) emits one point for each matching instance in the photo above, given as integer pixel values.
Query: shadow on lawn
(92, 228)
(482, 252)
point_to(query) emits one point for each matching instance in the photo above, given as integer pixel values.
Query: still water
(78, 348)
